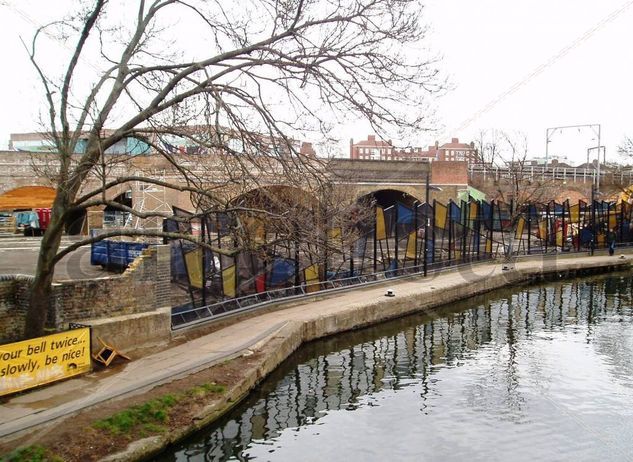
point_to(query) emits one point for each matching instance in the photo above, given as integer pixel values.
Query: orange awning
(28, 197)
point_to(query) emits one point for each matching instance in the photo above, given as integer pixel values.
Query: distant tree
(508, 151)
(626, 147)
(487, 145)
(253, 77)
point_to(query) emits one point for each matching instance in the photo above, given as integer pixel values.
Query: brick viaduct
(403, 179)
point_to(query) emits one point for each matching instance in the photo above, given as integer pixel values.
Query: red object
(260, 283)
(44, 216)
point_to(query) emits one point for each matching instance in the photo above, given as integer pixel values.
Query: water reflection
(551, 360)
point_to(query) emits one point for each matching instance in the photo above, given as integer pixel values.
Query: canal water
(544, 372)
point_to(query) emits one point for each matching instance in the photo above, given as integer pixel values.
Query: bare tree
(263, 74)
(509, 152)
(488, 147)
(626, 147)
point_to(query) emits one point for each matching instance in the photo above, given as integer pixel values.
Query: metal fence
(397, 241)
(186, 316)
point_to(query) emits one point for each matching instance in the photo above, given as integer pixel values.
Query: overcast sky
(513, 65)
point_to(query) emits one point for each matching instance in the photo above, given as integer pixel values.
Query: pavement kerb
(307, 324)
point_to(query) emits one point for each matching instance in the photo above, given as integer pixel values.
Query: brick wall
(449, 173)
(13, 305)
(143, 287)
(139, 289)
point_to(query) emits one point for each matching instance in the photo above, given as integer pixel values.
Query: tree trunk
(40, 297)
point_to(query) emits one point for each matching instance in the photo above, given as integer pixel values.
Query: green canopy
(470, 193)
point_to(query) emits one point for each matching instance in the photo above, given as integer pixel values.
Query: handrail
(194, 316)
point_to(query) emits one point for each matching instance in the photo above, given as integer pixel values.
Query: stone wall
(142, 289)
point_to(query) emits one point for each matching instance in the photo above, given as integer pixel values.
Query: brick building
(373, 149)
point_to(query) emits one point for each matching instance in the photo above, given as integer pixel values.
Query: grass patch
(151, 417)
(146, 417)
(34, 453)
(206, 389)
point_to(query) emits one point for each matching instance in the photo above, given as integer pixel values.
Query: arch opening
(113, 216)
(388, 197)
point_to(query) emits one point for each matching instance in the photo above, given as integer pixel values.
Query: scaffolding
(151, 198)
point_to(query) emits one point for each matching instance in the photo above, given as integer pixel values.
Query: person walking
(611, 238)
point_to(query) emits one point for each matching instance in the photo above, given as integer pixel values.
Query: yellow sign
(334, 235)
(311, 274)
(41, 360)
(441, 213)
(559, 238)
(542, 230)
(193, 261)
(411, 247)
(228, 281)
(518, 234)
(488, 245)
(574, 213)
(381, 232)
(613, 220)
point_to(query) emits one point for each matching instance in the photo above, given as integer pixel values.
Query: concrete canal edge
(412, 296)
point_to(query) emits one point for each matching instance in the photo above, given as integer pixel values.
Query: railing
(531, 172)
(185, 316)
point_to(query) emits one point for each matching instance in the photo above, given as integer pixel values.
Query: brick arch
(283, 192)
(27, 197)
(9, 184)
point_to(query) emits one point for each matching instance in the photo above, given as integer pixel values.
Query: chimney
(371, 138)
(351, 148)
(437, 145)
(307, 149)
(454, 140)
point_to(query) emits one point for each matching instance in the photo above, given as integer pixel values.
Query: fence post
(529, 223)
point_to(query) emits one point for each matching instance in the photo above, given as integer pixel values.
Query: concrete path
(24, 412)
(19, 256)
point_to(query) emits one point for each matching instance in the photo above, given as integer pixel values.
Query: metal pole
(296, 249)
(375, 234)
(204, 261)
(529, 223)
(593, 217)
(397, 243)
(450, 228)
(426, 223)
(415, 230)
(546, 145)
(588, 149)
(598, 182)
